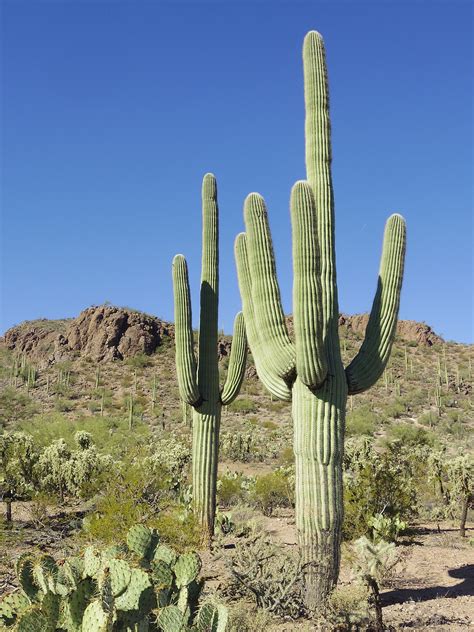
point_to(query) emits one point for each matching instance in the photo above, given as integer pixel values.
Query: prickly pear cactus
(119, 589)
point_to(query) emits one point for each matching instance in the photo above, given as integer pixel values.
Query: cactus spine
(199, 380)
(310, 370)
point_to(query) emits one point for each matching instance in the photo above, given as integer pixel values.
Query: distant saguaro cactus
(199, 380)
(309, 371)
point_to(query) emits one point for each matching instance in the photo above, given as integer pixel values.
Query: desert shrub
(139, 361)
(348, 608)
(124, 503)
(15, 406)
(110, 435)
(378, 482)
(270, 425)
(410, 435)
(63, 405)
(229, 489)
(178, 527)
(361, 421)
(287, 456)
(272, 490)
(39, 509)
(270, 574)
(395, 409)
(276, 406)
(428, 419)
(244, 617)
(243, 405)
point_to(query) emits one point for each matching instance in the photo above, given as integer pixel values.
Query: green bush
(123, 504)
(379, 482)
(15, 406)
(410, 435)
(63, 405)
(229, 489)
(242, 405)
(178, 527)
(139, 361)
(272, 490)
(361, 421)
(395, 409)
(110, 434)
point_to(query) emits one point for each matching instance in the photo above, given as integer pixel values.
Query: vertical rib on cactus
(311, 372)
(199, 381)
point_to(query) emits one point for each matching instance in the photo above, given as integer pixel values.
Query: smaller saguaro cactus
(199, 379)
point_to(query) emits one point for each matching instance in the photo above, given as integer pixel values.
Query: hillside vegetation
(96, 440)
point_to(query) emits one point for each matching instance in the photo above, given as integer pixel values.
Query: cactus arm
(318, 169)
(368, 365)
(275, 385)
(185, 358)
(237, 361)
(311, 362)
(208, 375)
(269, 317)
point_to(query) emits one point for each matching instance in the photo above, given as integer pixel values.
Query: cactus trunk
(206, 425)
(318, 420)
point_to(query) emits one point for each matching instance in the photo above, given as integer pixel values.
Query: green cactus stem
(309, 371)
(199, 379)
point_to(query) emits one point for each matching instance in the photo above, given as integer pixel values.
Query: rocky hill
(104, 333)
(101, 333)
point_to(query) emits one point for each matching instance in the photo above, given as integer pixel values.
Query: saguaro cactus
(199, 380)
(309, 371)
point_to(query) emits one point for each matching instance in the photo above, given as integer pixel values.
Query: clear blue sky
(113, 111)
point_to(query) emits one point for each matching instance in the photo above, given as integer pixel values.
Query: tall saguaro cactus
(199, 380)
(309, 371)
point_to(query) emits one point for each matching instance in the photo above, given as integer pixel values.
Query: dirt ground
(431, 588)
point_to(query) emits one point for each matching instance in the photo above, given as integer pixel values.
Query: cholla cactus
(460, 471)
(199, 381)
(373, 562)
(65, 471)
(170, 457)
(18, 458)
(119, 589)
(309, 371)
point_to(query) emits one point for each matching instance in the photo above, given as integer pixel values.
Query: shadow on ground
(462, 589)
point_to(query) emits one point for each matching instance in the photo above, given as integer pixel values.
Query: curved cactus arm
(185, 358)
(208, 372)
(318, 168)
(311, 364)
(276, 385)
(368, 365)
(269, 317)
(237, 361)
